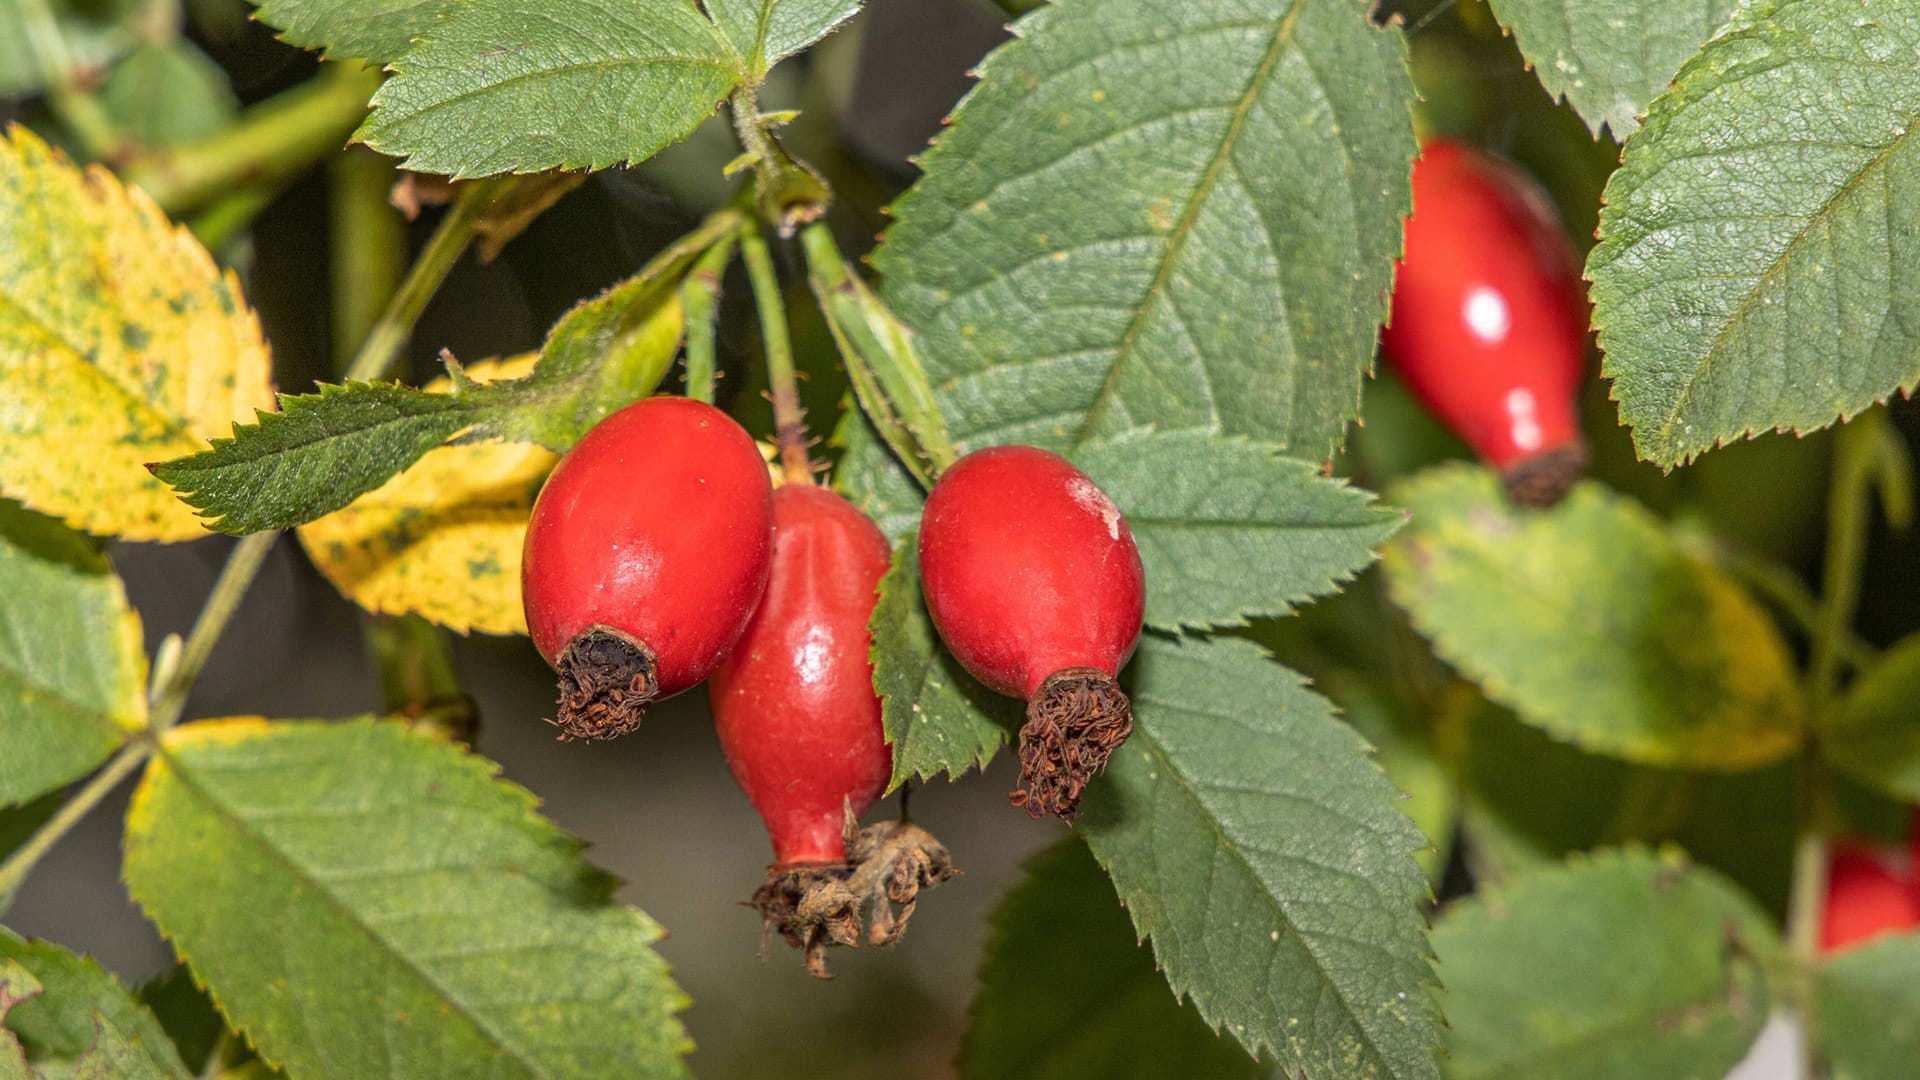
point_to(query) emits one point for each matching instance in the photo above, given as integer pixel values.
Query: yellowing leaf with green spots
(121, 343)
(441, 540)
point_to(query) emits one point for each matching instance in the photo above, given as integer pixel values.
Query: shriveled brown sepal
(817, 906)
(606, 680)
(1076, 720)
(1544, 479)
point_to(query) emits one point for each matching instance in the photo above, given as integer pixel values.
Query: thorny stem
(787, 191)
(789, 419)
(700, 302)
(1849, 504)
(167, 697)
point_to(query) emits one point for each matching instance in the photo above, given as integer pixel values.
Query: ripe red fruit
(794, 702)
(1489, 321)
(1865, 899)
(646, 555)
(1033, 581)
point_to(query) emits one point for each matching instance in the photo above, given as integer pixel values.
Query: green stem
(417, 677)
(789, 419)
(368, 240)
(699, 303)
(1806, 906)
(430, 269)
(882, 363)
(18, 865)
(271, 143)
(788, 192)
(1848, 510)
(226, 216)
(231, 587)
(79, 110)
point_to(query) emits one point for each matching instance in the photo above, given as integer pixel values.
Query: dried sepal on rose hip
(647, 551)
(1034, 583)
(1489, 320)
(799, 722)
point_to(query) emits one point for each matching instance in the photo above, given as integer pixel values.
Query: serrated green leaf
(168, 92)
(1171, 215)
(1760, 246)
(1667, 965)
(17, 984)
(185, 1013)
(937, 717)
(872, 479)
(85, 1022)
(72, 669)
(364, 901)
(1867, 999)
(322, 451)
(1253, 841)
(498, 86)
(317, 454)
(764, 32)
(377, 31)
(1066, 991)
(1590, 622)
(1258, 535)
(1875, 733)
(1609, 60)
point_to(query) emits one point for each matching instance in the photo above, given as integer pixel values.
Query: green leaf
(377, 31)
(72, 670)
(93, 33)
(168, 92)
(1868, 1003)
(186, 1013)
(1066, 991)
(764, 32)
(1253, 841)
(322, 451)
(17, 984)
(1171, 215)
(871, 478)
(937, 718)
(1760, 246)
(84, 1021)
(317, 454)
(1229, 529)
(1624, 965)
(1874, 734)
(1589, 621)
(1609, 60)
(364, 901)
(499, 86)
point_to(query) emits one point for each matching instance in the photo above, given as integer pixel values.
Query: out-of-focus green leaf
(1867, 999)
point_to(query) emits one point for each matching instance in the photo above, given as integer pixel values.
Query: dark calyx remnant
(1544, 479)
(1075, 722)
(819, 905)
(606, 680)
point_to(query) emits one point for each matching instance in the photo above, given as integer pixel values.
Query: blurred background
(659, 808)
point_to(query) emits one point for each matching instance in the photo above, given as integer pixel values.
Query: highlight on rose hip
(1060, 539)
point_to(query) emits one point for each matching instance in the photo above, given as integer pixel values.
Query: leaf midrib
(1224, 843)
(324, 890)
(1190, 218)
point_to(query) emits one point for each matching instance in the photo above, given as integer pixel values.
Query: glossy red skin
(658, 523)
(1028, 569)
(794, 702)
(1489, 320)
(1865, 899)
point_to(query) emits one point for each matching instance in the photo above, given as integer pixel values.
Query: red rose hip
(1865, 899)
(1489, 320)
(646, 554)
(794, 702)
(1033, 581)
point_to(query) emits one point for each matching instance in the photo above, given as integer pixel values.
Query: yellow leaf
(441, 540)
(121, 343)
